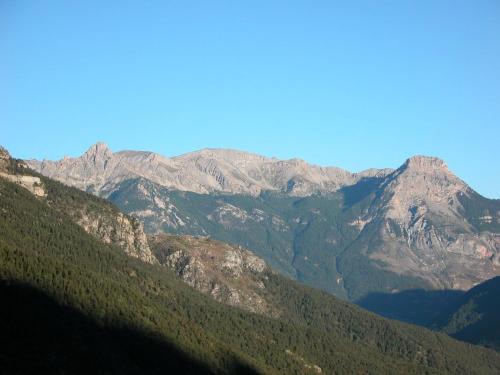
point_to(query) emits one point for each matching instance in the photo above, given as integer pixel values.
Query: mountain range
(351, 234)
(108, 301)
(99, 170)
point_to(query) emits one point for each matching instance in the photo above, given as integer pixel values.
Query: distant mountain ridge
(205, 171)
(382, 230)
(100, 309)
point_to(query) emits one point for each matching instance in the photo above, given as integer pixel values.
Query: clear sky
(356, 85)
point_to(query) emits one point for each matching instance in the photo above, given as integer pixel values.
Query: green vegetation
(341, 319)
(475, 317)
(69, 201)
(98, 310)
(312, 239)
(316, 240)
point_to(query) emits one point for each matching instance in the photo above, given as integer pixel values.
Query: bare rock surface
(423, 229)
(117, 229)
(104, 221)
(209, 170)
(32, 183)
(230, 274)
(419, 221)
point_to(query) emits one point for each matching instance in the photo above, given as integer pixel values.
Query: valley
(350, 234)
(107, 294)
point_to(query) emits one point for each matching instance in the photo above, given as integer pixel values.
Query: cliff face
(422, 228)
(7, 171)
(117, 229)
(96, 216)
(418, 226)
(230, 274)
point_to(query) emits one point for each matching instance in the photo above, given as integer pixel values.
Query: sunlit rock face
(419, 226)
(423, 227)
(109, 225)
(210, 170)
(230, 274)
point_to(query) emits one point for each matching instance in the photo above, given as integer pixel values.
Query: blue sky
(355, 84)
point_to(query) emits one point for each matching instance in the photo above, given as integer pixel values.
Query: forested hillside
(355, 235)
(475, 317)
(107, 299)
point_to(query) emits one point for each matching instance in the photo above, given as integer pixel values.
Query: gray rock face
(105, 222)
(422, 228)
(210, 170)
(117, 229)
(32, 184)
(419, 222)
(230, 274)
(4, 159)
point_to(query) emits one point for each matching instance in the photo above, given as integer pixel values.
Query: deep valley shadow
(417, 306)
(39, 336)
(359, 191)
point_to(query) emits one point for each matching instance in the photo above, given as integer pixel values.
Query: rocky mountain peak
(421, 163)
(231, 156)
(235, 172)
(424, 179)
(98, 151)
(209, 170)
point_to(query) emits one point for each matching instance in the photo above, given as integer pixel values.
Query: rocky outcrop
(100, 219)
(230, 274)
(416, 226)
(422, 229)
(4, 159)
(210, 170)
(117, 229)
(32, 183)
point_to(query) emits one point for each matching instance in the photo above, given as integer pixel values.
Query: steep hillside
(350, 243)
(381, 231)
(97, 307)
(96, 216)
(298, 236)
(416, 226)
(230, 274)
(475, 316)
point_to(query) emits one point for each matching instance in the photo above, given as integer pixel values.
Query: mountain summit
(424, 163)
(351, 234)
(63, 256)
(98, 151)
(204, 171)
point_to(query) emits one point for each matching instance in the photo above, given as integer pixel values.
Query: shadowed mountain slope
(40, 335)
(475, 316)
(379, 231)
(58, 258)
